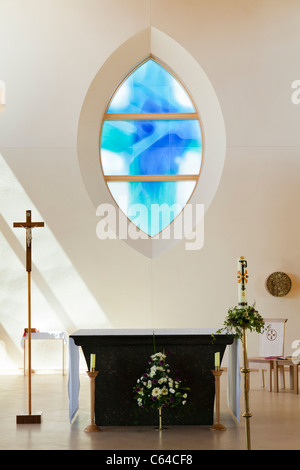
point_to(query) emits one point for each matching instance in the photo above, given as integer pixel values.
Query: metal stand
(246, 371)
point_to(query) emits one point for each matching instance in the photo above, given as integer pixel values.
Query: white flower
(164, 391)
(172, 390)
(158, 355)
(162, 380)
(184, 396)
(156, 392)
(149, 384)
(184, 402)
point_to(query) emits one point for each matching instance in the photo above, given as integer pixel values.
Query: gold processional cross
(29, 225)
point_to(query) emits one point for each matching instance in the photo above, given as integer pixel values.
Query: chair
(271, 346)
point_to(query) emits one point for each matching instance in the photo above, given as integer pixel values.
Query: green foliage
(242, 317)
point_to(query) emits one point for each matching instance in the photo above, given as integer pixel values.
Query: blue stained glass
(151, 147)
(151, 89)
(152, 206)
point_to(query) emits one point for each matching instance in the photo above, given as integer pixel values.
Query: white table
(46, 335)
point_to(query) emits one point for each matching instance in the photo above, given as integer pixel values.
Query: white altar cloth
(46, 335)
(233, 385)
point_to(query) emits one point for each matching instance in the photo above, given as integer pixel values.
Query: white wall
(50, 52)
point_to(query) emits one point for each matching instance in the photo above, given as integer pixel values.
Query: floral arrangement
(243, 317)
(156, 388)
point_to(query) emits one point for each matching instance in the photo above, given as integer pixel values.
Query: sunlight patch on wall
(60, 298)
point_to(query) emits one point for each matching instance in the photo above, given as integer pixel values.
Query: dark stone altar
(122, 357)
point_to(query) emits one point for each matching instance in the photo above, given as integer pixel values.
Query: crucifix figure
(29, 225)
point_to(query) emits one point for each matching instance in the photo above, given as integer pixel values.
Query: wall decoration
(278, 284)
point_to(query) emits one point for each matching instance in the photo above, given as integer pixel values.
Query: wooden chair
(271, 346)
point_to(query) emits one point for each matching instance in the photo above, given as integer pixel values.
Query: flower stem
(160, 428)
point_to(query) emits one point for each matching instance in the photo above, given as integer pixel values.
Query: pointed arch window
(151, 145)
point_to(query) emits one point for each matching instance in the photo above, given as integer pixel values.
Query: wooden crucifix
(29, 225)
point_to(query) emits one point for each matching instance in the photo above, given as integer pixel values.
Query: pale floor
(275, 422)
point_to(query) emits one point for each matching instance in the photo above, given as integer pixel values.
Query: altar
(122, 357)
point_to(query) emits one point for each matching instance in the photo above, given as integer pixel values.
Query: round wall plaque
(279, 284)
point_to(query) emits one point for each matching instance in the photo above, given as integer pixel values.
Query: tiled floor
(275, 422)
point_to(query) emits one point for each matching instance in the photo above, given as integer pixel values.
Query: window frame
(112, 68)
(152, 117)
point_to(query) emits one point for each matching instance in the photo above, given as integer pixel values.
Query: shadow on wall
(78, 274)
(8, 347)
(43, 286)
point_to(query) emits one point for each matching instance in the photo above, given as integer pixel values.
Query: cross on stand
(29, 225)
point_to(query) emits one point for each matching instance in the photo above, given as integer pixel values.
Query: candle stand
(217, 426)
(92, 427)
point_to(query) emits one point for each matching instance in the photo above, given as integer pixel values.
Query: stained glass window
(151, 145)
